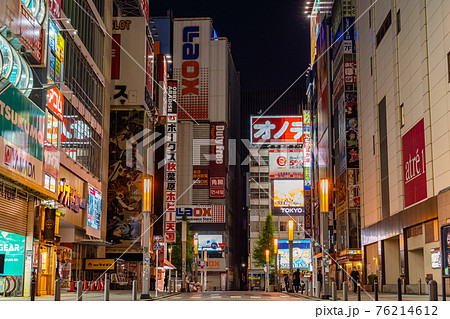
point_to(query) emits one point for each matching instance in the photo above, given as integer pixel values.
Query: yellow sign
(99, 264)
(60, 48)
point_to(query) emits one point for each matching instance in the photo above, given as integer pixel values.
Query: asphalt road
(234, 296)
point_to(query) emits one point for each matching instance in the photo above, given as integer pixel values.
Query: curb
(304, 296)
(163, 297)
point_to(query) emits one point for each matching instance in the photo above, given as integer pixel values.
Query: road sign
(214, 246)
(222, 245)
(157, 246)
(157, 238)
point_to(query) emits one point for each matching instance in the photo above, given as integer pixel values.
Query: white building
(403, 95)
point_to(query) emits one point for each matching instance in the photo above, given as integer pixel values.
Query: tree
(265, 241)
(177, 248)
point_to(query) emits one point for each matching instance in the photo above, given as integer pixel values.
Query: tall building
(403, 93)
(207, 175)
(55, 86)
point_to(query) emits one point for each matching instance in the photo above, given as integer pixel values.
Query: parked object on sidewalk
(79, 290)
(433, 291)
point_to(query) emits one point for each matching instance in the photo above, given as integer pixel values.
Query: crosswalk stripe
(255, 297)
(235, 297)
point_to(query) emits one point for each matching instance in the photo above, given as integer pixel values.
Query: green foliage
(265, 241)
(177, 249)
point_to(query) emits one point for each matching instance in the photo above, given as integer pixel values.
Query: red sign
(217, 182)
(222, 245)
(31, 33)
(55, 102)
(51, 160)
(54, 7)
(115, 57)
(276, 129)
(217, 192)
(414, 165)
(350, 71)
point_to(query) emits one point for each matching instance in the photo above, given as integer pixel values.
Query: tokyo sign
(414, 165)
(276, 129)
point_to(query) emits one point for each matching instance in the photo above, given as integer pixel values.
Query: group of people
(153, 283)
(296, 282)
(354, 278)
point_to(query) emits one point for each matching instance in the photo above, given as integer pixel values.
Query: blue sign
(157, 238)
(301, 254)
(94, 209)
(157, 246)
(12, 247)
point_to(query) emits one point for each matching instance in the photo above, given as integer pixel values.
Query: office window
(283, 226)
(399, 26)
(382, 124)
(384, 27)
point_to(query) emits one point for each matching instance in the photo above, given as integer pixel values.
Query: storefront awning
(167, 265)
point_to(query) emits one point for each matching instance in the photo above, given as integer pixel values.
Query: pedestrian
(297, 280)
(319, 278)
(152, 283)
(166, 283)
(355, 278)
(286, 282)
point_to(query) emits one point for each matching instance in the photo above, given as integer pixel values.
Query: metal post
(79, 290)
(106, 296)
(345, 291)
(183, 255)
(333, 291)
(276, 272)
(145, 294)
(307, 288)
(433, 291)
(444, 293)
(134, 291)
(291, 264)
(175, 281)
(196, 267)
(375, 287)
(157, 273)
(399, 289)
(420, 286)
(205, 259)
(57, 290)
(325, 256)
(318, 289)
(359, 290)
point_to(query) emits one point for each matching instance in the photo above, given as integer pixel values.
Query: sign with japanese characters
(276, 130)
(350, 72)
(286, 163)
(171, 162)
(414, 164)
(200, 177)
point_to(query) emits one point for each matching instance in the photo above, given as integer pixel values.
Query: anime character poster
(124, 178)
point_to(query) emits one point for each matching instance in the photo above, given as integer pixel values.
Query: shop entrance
(392, 266)
(46, 272)
(416, 266)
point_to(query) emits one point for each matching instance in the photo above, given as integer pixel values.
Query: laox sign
(190, 68)
(196, 212)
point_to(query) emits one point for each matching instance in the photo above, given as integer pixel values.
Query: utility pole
(146, 207)
(275, 252)
(324, 235)
(183, 254)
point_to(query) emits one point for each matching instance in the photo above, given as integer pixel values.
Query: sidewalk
(370, 296)
(114, 295)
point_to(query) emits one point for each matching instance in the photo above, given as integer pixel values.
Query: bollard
(345, 291)
(307, 288)
(33, 288)
(106, 296)
(319, 287)
(134, 290)
(333, 291)
(433, 290)
(57, 290)
(420, 286)
(79, 291)
(311, 290)
(375, 288)
(358, 287)
(399, 289)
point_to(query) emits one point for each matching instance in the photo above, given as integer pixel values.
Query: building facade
(403, 89)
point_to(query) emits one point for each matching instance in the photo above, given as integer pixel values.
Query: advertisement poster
(286, 163)
(351, 130)
(301, 254)
(209, 242)
(342, 137)
(12, 250)
(124, 192)
(445, 248)
(94, 209)
(414, 164)
(288, 197)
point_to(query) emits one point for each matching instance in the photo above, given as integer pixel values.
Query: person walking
(320, 278)
(166, 283)
(355, 278)
(286, 282)
(296, 280)
(152, 283)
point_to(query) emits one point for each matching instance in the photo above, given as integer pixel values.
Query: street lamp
(275, 252)
(169, 250)
(291, 252)
(267, 269)
(324, 234)
(195, 259)
(146, 211)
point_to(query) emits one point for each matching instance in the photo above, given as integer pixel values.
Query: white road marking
(255, 297)
(235, 297)
(196, 297)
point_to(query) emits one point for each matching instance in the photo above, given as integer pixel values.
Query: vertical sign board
(191, 40)
(307, 170)
(94, 212)
(170, 174)
(414, 165)
(217, 167)
(445, 249)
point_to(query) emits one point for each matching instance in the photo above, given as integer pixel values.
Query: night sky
(269, 38)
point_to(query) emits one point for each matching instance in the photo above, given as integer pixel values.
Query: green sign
(12, 246)
(21, 122)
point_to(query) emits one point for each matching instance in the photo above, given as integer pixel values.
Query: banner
(49, 224)
(286, 163)
(276, 130)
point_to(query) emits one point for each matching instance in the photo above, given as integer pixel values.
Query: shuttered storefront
(13, 210)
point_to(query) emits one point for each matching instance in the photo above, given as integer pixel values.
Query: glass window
(52, 129)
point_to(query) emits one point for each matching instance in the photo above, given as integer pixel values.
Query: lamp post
(324, 235)
(195, 258)
(267, 270)
(205, 258)
(169, 250)
(146, 208)
(275, 252)
(291, 252)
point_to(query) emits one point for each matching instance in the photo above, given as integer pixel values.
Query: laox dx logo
(190, 68)
(196, 212)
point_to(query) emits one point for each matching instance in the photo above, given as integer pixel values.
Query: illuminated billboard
(276, 130)
(286, 163)
(209, 242)
(288, 197)
(301, 254)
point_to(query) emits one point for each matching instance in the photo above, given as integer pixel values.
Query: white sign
(286, 163)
